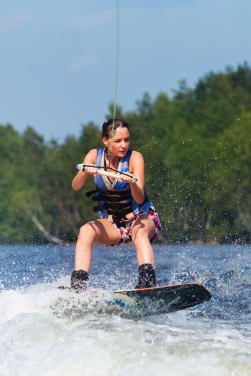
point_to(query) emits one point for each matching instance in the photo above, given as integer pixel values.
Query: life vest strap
(114, 202)
(111, 198)
(113, 206)
(108, 193)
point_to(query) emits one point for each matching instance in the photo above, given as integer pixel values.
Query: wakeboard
(157, 300)
(163, 299)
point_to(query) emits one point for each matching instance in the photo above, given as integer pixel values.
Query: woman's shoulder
(93, 152)
(136, 158)
(136, 154)
(91, 156)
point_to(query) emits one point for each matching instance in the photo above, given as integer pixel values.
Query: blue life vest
(116, 198)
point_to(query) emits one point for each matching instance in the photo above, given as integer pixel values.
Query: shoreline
(198, 242)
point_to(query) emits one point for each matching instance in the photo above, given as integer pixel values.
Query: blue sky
(58, 58)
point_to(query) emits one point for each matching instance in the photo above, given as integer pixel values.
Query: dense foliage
(197, 149)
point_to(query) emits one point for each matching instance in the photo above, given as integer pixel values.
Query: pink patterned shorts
(126, 227)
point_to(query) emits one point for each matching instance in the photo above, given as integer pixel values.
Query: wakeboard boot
(147, 276)
(79, 279)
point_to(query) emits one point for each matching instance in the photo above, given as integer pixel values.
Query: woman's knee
(142, 231)
(88, 231)
(139, 233)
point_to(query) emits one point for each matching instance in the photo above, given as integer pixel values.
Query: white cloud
(14, 21)
(91, 20)
(84, 62)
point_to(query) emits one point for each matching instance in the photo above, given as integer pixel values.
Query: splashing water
(46, 331)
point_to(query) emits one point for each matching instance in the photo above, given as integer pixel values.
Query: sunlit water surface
(45, 331)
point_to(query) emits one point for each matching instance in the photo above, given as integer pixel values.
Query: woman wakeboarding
(125, 213)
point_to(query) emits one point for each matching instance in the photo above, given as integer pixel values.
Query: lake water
(47, 332)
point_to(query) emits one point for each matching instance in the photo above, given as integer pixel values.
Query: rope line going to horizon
(117, 71)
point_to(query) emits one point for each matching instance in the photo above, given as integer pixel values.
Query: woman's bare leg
(100, 231)
(142, 231)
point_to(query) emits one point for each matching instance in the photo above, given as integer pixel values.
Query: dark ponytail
(108, 127)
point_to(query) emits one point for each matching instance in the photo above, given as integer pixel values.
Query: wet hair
(111, 125)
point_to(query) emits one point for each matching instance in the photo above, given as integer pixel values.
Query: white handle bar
(106, 173)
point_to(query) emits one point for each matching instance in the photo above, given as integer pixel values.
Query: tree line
(197, 150)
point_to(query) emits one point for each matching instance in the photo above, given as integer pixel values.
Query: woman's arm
(80, 179)
(137, 168)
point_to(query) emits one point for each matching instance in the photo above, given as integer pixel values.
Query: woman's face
(118, 145)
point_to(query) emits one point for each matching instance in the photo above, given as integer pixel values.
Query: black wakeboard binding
(147, 276)
(79, 279)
